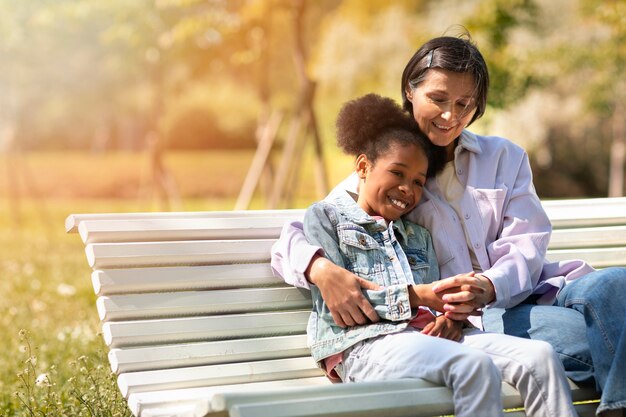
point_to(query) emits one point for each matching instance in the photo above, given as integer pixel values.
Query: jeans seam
(592, 312)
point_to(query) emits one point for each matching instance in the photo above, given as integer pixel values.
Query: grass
(52, 359)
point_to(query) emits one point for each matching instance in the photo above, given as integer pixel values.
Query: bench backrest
(188, 300)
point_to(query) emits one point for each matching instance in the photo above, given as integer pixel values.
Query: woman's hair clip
(429, 59)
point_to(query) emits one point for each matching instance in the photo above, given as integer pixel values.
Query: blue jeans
(586, 326)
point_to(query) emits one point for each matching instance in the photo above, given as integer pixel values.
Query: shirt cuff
(302, 262)
(501, 288)
(398, 302)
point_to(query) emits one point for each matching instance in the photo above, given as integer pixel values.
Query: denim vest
(393, 256)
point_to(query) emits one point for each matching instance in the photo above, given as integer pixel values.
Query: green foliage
(493, 24)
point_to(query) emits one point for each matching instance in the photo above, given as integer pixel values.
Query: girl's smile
(392, 185)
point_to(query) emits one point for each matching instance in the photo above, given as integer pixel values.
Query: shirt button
(477, 245)
(362, 240)
(467, 216)
(392, 258)
(459, 171)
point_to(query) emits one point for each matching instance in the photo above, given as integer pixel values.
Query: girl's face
(393, 185)
(443, 104)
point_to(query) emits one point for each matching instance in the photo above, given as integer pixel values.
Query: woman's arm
(295, 260)
(389, 303)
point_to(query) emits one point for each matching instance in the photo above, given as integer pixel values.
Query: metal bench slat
(155, 230)
(73, 220)
(194, 303)
(586, 212)
(183, 278)
(190, 329)
(202, 252)
(597, 257)
(588, 237)
(214, 375)
(207, 353)
(141, 402)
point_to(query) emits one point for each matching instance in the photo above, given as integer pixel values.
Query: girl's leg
(532, 367)
(475, 381)
(599, 297)
(563, 328)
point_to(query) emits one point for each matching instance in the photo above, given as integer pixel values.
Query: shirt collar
(345, 201)
(469, 141)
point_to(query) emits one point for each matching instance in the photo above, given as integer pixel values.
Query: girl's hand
(445, 328)
(425, 295)
(341, 290)
(464, 294)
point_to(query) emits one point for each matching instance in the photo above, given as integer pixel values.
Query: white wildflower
(28, 269)
(66, 290)
(42, 380)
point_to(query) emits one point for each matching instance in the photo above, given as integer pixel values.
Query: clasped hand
(458, 297)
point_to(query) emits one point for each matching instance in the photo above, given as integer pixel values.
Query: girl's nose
(406, 189)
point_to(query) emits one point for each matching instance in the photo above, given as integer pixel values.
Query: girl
(366, 234)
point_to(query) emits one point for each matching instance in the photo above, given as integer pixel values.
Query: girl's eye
(396, 173)
(418, 183)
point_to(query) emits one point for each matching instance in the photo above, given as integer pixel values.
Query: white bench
(197, 325)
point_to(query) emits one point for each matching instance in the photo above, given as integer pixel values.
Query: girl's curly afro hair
(371, 124)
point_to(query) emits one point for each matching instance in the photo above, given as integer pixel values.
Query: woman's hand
(445, 328)
(341, 290)
(465, 293)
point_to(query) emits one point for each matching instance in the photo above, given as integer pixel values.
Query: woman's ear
(361, 165)
(409, 94)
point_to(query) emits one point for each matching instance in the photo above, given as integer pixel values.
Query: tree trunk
(618, 151)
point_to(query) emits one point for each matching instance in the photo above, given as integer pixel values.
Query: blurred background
(150, 105)
(168, 99)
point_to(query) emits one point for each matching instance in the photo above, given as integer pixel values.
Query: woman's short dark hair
(458, 54)
(371, 124)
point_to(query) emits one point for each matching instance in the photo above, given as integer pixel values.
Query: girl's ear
(361, 165)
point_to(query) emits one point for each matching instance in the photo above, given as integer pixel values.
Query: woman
(490, 235)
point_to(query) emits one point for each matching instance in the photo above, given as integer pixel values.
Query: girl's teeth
(398, 203)
(442, 127)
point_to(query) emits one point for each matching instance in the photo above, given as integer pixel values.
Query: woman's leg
(474, 378)
(600, 297)
(532, 367)
(563, 328)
